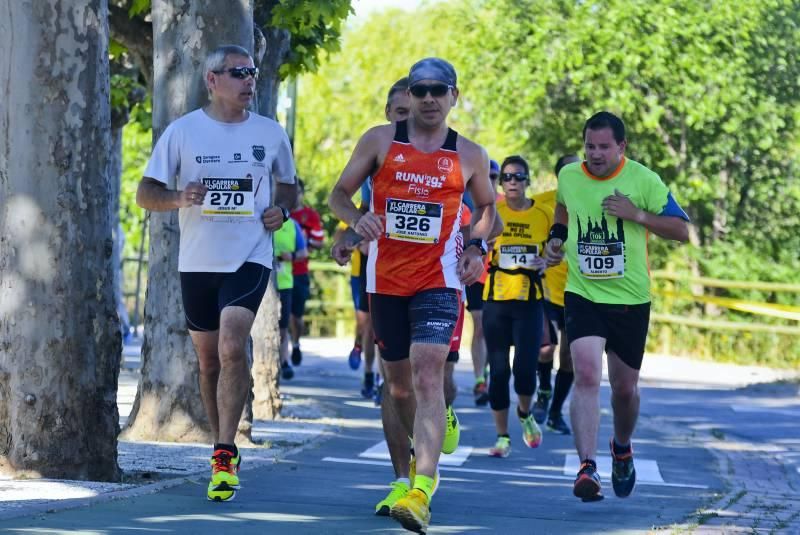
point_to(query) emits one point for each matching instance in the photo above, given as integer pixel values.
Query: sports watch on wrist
(482, 246)
(285, 212)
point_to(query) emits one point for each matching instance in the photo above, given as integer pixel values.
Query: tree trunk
(59, 343)
(272, 47)
(168, 405)
(266, 365)
(276, 45)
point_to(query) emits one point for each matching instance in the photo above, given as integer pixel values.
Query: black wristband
(558, 231)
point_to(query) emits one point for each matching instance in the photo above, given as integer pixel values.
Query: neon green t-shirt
(284, 240)
(607, 256)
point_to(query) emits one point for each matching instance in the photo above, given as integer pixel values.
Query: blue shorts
(300, 294)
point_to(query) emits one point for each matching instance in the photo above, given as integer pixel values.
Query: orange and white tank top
(420, 195)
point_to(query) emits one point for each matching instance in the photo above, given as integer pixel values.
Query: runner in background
(288, 244)
(474, 295)
(554, 333)
(513, 312)
(310, 222)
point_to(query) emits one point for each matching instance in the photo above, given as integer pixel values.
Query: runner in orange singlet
(418, 262)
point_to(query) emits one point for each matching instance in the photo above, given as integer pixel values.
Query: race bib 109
(228, 197)
(419, 222)
(601, 260)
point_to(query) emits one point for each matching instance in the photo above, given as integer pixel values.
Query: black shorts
(624, 327)
(555, 320)
(475, 296)
(428, 317)
(286, 308)
(301, 291)
(205, 294)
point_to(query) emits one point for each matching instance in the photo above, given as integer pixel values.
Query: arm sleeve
(300, 240)
(660, 200)
(672, 208)
(165, 159)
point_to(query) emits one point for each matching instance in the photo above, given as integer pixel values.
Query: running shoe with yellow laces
(224, 476)
(413, 511)
(501, 448)
(452, 432)
(531, 434)
(399, 490)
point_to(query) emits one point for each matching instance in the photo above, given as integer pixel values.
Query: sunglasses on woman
(436, 90)
(519, 177)
(240, 72)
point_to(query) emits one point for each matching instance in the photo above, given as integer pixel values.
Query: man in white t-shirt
(224, 158)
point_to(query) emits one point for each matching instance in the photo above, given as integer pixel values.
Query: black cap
(432, 69)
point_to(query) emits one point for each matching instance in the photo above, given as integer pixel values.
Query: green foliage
(137, 140)
(315, 26)
(710, 92)
(138, 7)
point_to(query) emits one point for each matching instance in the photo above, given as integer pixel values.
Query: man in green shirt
(606, 207)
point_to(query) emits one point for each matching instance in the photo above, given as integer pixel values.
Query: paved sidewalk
(306, 422)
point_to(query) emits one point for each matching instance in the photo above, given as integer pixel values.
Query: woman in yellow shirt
(513, 313)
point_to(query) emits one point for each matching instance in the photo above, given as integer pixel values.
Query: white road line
(527, 475)
(792, 412)
(646, 469)
(380, 451)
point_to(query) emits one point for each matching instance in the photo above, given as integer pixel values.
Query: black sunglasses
(436, 90)
(519, 177)
(240, 72)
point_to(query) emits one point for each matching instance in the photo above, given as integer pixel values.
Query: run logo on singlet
(228, 197)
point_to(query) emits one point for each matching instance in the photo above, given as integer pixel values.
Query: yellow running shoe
(531, 434)
(399, 489)
(412, 471)
(413, 511)
(452, 432)
(224, 476)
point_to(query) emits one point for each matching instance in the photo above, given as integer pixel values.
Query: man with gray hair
(224, 158)
(418, 263)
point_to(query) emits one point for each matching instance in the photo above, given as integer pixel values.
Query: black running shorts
(205, 294)
(428, 317)
(554, 314)
(624, 327)
(474, 294)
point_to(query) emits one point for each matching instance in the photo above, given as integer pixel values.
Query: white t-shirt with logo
(236, 162)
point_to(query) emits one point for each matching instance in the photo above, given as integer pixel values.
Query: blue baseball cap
(494, 166)
(432, 69)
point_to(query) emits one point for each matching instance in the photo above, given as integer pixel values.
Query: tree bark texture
(276, 44)
(59, 342)
(266, 361)
(168, 405)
